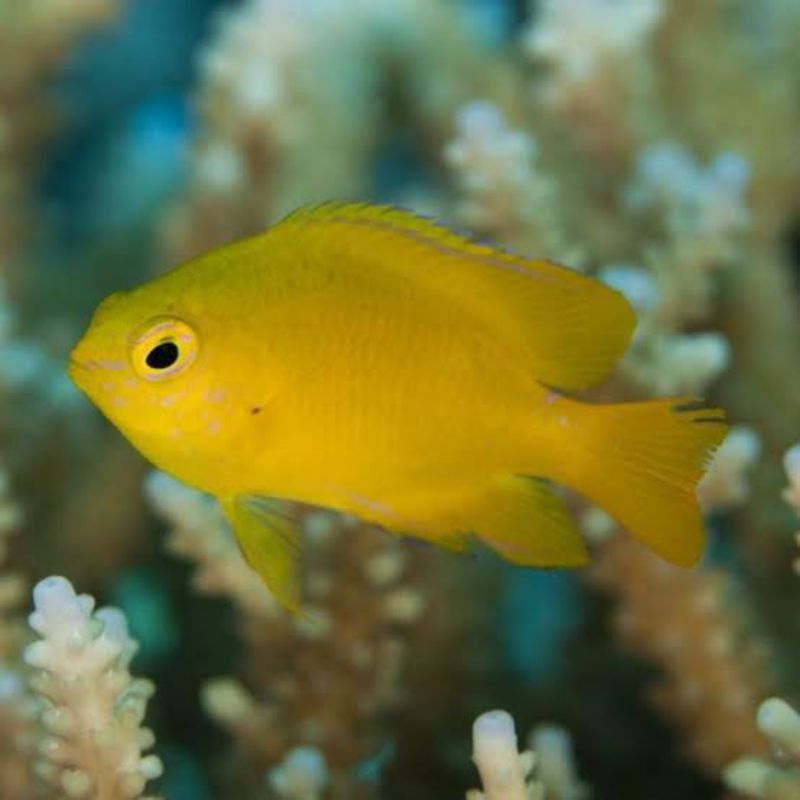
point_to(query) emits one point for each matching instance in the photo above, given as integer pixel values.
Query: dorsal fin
(570, 328)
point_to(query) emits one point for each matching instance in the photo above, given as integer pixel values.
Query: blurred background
(652, 143)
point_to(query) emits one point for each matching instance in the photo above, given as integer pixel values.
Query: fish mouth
(78, 371)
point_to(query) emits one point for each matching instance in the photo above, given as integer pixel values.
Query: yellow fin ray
(527, 523)
(641, 462)
(270, 543)
(569, 328)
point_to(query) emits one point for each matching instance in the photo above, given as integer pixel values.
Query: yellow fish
(368, 360)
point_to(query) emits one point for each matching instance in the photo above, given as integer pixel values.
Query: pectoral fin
(270, 543)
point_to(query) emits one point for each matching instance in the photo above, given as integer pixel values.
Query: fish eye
(164, 349)
(163, 355)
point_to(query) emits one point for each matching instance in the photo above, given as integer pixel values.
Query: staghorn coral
(505, 773)
(726, 483)
(327, 678)
(92, 709)
(753, 776)
(262, 103)
(758, 308)
(15, 724)
(779, 780)
(593, 73)
(12, 585)
(555, 763)
(702, 212)
(699, 215)
(35, 39)
(791, 494)
(266, 90)
(302, 775)
(277, 72)
(198, 531)
(500, 187)
(691, 227)
(544, 772)
(687, 621)
(670, 364)
(44, 416)
(791, 463)
(579, 39)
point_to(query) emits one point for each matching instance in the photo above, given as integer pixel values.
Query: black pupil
(163, 355)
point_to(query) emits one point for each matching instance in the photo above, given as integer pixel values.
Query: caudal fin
(641, 462)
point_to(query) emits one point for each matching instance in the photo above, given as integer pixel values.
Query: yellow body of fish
(368, 360)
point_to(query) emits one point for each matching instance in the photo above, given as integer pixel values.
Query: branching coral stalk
(276, 74)
(502, 190)
(555, 763)
(198, 531)
(92, 708)
(580, 39)
(505, 772)
(35, 388)
(702, 212)
(791, 463)
(15, 726)
(726, 484)
(12, 586)
(594, 73)
(290, 104)
(302, 775)
(687, 622)
(791, 494)
(665, 361)
(324, 679)
(697, 216)
(672, 364)
(330, 678)
(34, 41)
(780, 778)
(545, 772)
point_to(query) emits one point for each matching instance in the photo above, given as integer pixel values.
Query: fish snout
(78, 369)
(85, 363)
(80, 355)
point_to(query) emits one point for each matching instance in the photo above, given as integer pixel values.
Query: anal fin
(527, 523)
(270, 543)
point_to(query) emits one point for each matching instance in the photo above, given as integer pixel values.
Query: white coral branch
(93, 709)
(578, 39)
(555, 763)
(791, 494)
(505, 772)
(503, 191)
(726, 483)
(757, 778)
(302, 775)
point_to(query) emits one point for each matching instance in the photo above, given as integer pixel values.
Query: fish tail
(641, 462)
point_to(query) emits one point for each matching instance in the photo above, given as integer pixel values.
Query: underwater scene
(400, 399)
